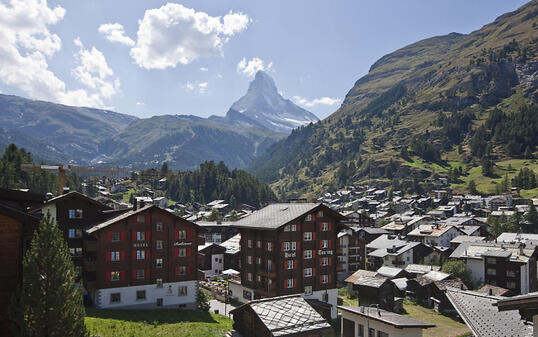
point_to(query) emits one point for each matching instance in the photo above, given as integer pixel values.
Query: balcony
(269, 274)
(90, 266)
(90, 246)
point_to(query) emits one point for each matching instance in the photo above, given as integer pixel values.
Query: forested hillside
(463, 106)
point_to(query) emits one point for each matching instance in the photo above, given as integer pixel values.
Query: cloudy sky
(197, 57)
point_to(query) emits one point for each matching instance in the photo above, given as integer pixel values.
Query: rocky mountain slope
(423, 110)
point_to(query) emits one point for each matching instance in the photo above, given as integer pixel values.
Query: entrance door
(159, 302)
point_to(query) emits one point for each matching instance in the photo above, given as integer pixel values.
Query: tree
(214, 215)
(458, 269)
(203, 300)
(531, 219)
(49, 302)
(472, 187)
(164, 168)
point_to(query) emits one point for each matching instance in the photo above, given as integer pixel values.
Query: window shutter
(134, 274)
(188, 270)
(134, 236)
(330, 225)
(188, 251)
(122, 255)
(122, 275)
(329, 260)
(108, 276)
(267, 246)
(176, 234)
(134, 255)
(321, 262)
(285, 284)
(176, 252)
(298, 245)
(298, 227)
(147, 218)
(147, 236)
(108, 256)
(321, 279)
(108, 237)
(294, 283)
(314, 236)
(147, 254)
(147, 274)
(330, 243)
(313, 271)
(330, 276)
(282, 246)
(188, 234)
(313, 253)
(294, 265)
(122, 236)
(177, 270)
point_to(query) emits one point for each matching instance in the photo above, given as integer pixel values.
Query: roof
(452, 283)
(358, 274)
(518, 237)
(467, 238)
(421, 268)
(387, 317)
(394, 251)
(430, 230)
(400, 283)
(496, 290)
(232, 245)
(22, 216)
(277, 215)
(389, 271)
(69, 196)
(286, 315)
(468, 229)
(374, 230)
(527, 301)
(484, 320)
(475, 250)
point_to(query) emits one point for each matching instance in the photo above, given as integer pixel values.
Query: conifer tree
(49, 303)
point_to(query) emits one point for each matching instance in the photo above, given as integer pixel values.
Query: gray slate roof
(275, 215)
(484, 320)
(389, 271)
(232, 245)
(392, 318)
(118, 218)
(287, 315)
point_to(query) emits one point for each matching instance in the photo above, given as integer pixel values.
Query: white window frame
(324, 261)
(325, 227)
(308, 236)
(324, 243)
(324, 279)
(290, 264)
(308, 290)
(159, 263)
(249, 259)
(289, 283)
(308, 272)
(159, 244)
(308, 254)
(114, 256)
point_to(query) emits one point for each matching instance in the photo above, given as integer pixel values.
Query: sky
(147, 57)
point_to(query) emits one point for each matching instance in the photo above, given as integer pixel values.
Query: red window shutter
(321, 262)
(122, 236)
(122, 275)
(176, 252)
(177, 234)
(177, 270)
(122, 255)
(188, 234)
(294, 283)
(108, 237)
(329, 260)
(108, 256)
(282, 246)
(107, 275)
(147, 218)
(298, 227)
(330, 278)
(134, 255)
(134, 274)
(134, 236)
(313, 253)
(285, 284)
(147, 254)
(294, 266)
(147, 274)
(147, 236)
(313, 271)
(267, 246)
(298, 245)
(314, 236)
(330, 243)
(188, 251)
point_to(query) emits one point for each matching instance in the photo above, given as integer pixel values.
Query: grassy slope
(444, 325)
(150, 323)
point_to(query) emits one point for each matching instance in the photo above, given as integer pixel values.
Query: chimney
(521, 246)
(461, 286)
(490, 292)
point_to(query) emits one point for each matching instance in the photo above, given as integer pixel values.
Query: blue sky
(150, 58)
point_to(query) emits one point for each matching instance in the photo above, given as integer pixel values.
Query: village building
(351, 251)
(144, 258)
(416, 270)
(217, 231)
(232, 253)
(526, 305)
(370, 321)
(393, 251)
(434, 234)
(211, 259)
(280, 316)
(289, 249)
(371, 288)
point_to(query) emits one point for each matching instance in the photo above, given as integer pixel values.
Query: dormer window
(308, 217)
(75, 214)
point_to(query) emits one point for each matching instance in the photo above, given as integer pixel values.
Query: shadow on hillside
(152, 316)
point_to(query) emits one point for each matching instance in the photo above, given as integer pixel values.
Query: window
(325, 279)
(159, 244)
(258, 260)
(249, 277)
(182, 291)
(182, 270)
(290, 228)
(114, 256)
(361, 330)
(289, 283)
(249, 259)
(308, 290)
(307, 254)
(115, 297)
(182, 234)
(492, 271)
(491, 260)
(75, 214)
(140, 254)
(71, 233)
(510, 273)
(140, 295)
(511, 285)
(114, 276)
(115, 237)
(182, 252)
(140, 274)
(247, 295)
(258, 278)
(159, 283)
(320, 213)
(140, 236)
(249, 243)
(371, 332)
(72, 251)
(259, 244)
(307, 272)
(269, 246)
(289, 264)
(141, 218)
(382, 334)
(325, 261)
(308, 236)
(292, 245)
(159, 226)
(158, 263)
(324, 243)
(324, 227)
(269, 265)
(308, 217)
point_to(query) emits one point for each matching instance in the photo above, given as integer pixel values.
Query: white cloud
(202, 87)
(189, 86)
(26, 45)
(140, 103)
(316, 101)
(252, 66)
(219, 76)
(114, 32)
(204, 69)
(174, 34)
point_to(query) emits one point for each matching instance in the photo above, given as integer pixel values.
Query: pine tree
(49, 303)
(472, 187)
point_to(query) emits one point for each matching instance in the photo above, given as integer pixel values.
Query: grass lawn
(444, 325)
(162, 323)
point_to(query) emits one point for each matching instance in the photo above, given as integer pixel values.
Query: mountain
(57, 132)
(263, 106)
(454, 103)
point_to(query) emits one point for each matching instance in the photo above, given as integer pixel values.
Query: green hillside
(431, 107)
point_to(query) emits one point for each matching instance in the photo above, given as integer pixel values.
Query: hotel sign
(290, 254)
(141, 245)
(325, 252)
(179, 244)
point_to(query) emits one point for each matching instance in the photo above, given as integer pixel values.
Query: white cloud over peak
(316, 101)
(174, 34)
(114, 32)
(252, 66)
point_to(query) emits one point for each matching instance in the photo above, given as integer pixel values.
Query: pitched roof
(73, 194)
(358, 274)
(389, 271)
(287, 315)
(18, 214)
(496, 290)
(476, 250)
(484, 320)
(232, 245)
(276, 215)
(391, 318)
(420, 268)
(467, 238)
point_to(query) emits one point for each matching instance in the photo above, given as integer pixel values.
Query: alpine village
(409, 209)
